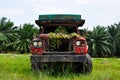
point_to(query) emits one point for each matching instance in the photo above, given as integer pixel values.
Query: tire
(35, 66)
(39, 66)
(84, 67)
(87, 64)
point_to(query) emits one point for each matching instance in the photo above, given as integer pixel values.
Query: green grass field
(17, 67)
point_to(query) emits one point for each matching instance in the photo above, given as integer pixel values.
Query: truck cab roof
(60, 19)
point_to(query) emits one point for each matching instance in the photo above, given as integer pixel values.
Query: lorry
(60, 41)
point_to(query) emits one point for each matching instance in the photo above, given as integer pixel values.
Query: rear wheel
(35, 66)
(84, 67)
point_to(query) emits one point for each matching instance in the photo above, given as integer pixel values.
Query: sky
(95, 12)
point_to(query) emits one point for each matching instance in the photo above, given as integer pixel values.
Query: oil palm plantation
(7, 35)
(98, 42)
(25, 35)
(114, 33)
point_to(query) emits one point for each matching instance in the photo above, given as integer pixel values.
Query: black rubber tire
(84, 67)
(35, 66)
(88, 64)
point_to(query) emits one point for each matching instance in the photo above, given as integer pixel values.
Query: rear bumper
(58, 58)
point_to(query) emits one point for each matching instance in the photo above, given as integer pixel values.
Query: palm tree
(6, 33)
(25, 35)
(114, 33)
(98, 41)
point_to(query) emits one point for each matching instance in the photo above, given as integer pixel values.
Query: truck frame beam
(58, 58)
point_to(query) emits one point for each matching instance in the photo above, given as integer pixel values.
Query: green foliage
(60, 33)
(102, 41)
(114, 33)
(6, 33)
(16, 38)
(110, 37)
(61, 29)
(55, 39)
(25, 35)
(17, 67)
(98, 42)
(55, 42)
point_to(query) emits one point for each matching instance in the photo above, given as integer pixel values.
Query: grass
(17, 67)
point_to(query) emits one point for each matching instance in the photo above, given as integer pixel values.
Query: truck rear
(60, 41)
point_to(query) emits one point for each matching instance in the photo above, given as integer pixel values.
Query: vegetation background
(103, 41)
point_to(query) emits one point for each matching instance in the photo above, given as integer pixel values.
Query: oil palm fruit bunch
(73, 35)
